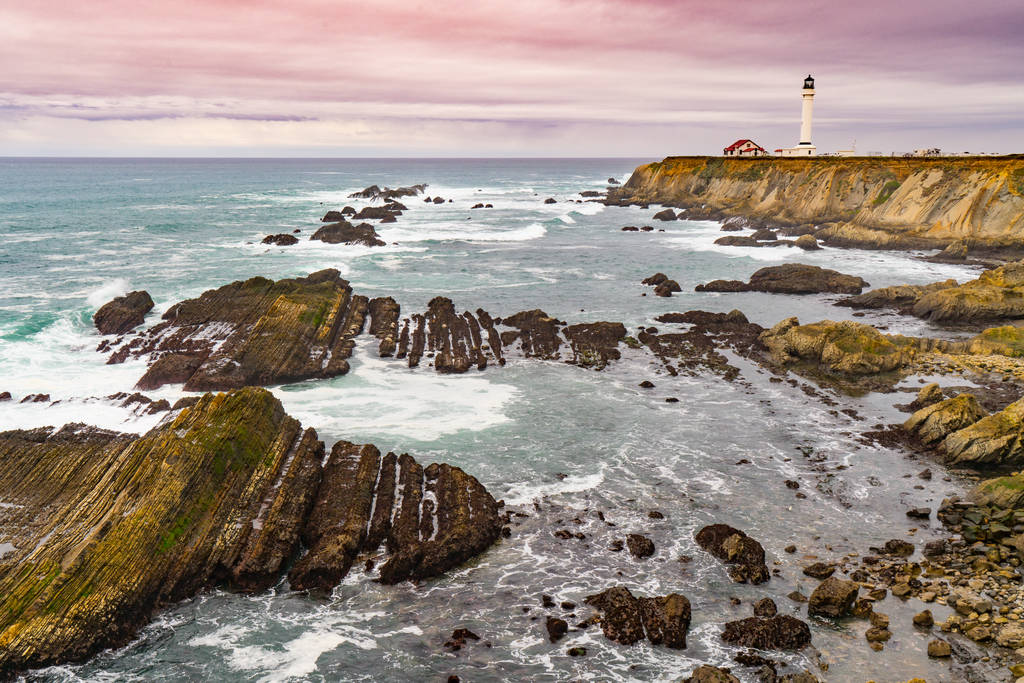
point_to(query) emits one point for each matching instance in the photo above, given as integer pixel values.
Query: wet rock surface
(627, 619)
(834, 597)
(344, 232)
(222, 492)
(252, 332)
(779, 632)
(744, 555)
(281, 240)
(429, 519)
(123, 313)
(790, 278)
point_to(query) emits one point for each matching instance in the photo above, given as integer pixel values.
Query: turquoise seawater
(554, 441)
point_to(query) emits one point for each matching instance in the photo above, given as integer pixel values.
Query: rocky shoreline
(228, 490)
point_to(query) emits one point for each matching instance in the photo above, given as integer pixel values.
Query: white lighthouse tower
(805, 146)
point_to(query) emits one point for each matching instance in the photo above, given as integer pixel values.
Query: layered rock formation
(123, 313)
(994, 440)
(429, 518)
(868, 202)
(841, 348)
(103, 529)
(790, 278)
(253, 332)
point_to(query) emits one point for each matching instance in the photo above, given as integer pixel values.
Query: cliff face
(865, 201)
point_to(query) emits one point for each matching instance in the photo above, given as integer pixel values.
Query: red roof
(739, 143)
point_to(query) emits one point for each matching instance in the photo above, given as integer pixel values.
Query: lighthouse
(807, 112)
(805, 147)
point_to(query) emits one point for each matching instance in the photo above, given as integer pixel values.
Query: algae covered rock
(993, 440)
(1007, 340)
(108, 528)
(1001, 492)
(844, 348)
(902, 297)
(935, 422)
(123, 313)
(705, 673)
(996, 294)
(255, 332)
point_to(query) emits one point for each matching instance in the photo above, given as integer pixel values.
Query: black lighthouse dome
(809, 83)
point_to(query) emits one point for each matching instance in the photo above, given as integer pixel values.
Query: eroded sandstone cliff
(879, 202)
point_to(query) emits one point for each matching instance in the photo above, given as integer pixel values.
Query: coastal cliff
(875, 202)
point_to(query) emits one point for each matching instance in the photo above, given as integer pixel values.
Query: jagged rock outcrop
(282, 240)
(997, 294)
(875, 203)
(902, 297)
(779, 632)
(384, 312)
(430, 519)
(994, 440)
(252, 332)
(123, 313)
(374, 192)
(103, 529)
(844, 348)
(627, 619)
(935, 422)
(1005, 493)
(108, 528)
(744, 555)
(790, 278)
(344, 232)
(699, 348)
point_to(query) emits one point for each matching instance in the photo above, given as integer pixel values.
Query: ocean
(554, 441)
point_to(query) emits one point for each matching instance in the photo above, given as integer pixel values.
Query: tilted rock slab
(107, 528)
(255, 332)
(994, 440)
(934, 423)
(123, 313)
(429, 518)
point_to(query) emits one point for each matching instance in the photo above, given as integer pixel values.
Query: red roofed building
(745, 148)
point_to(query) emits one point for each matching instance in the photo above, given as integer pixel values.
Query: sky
(529, 78)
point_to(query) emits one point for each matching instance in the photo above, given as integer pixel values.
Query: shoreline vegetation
(230, 490)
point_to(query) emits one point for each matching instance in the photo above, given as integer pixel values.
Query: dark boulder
(5, 396)
(590, 193)
(281, 240)
(666, 287)
(373, 212)
(737, 241)
(666, 215)
(613, 181)
(655, 279)
(791, 278)
(438, 200)
(639, 546)
(550, 200)
(557, 628)
(833, 597)
(335, 216)
(706, 673)
(764, 235)
(780, 632)
(344, 232)
(123, 313)
(744, 555)
(627, 619)
(765, 607)
(631, 228)
(819, 570)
